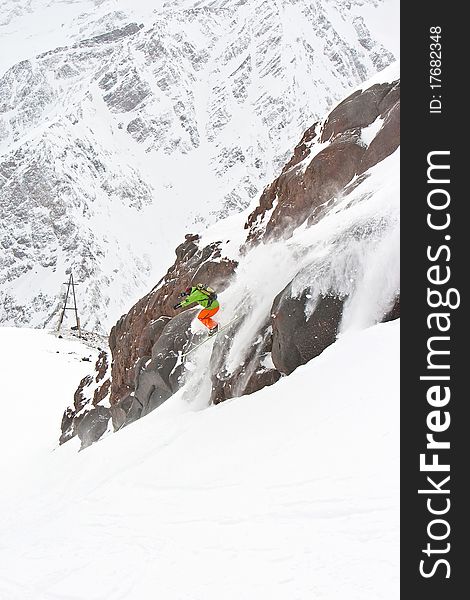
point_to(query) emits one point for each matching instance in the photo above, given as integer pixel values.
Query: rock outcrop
(145, 345)
(304, 317)
(89, 414)
(298, 338)
(135, 334)
(159, 376)
(255, 372)
(307, 184)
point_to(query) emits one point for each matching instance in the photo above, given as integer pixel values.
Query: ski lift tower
(70, 292)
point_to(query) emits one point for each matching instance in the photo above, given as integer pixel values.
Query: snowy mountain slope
(141, 119)
(290, 493)
(27, 399)
(317, 257)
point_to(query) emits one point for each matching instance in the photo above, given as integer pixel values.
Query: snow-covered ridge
(143, 119)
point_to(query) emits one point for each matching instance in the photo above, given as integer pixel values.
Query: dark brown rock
(296, 338)
(390, 99)
(251, 375)
(359, 110)
(125, 411)
(87, 393)
(305, 191)
(100, 393)
(270, 192)
(101, 366)
(161, 376)
(385, 142)
(136, 333)
(92, 425)
(298, 195)
(228, 387)
(324, 178)
(302, 150)
(150, 334)
(79, 398)
(145, 344)
(144, 371)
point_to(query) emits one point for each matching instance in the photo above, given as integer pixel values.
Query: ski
(210, 337)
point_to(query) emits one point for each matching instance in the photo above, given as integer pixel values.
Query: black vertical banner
(435, 252)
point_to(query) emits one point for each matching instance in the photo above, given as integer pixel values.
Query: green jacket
(201, 298)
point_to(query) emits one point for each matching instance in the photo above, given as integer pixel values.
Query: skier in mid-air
(205, 297)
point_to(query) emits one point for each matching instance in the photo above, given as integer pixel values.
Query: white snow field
(289, 494)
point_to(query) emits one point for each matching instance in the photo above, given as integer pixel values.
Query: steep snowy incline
(290, 493)
(319, 255)
(142, 120)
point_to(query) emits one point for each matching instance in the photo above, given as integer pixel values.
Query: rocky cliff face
(116, 121)
(303, 191)
(318, 256)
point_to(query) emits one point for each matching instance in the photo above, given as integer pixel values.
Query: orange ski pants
(205, 317)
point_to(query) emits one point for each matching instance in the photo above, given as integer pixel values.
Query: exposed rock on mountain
(296, 340)
(254, 373)
(158, 377)
(144, 344)
(88, 417)
(320, 256)
(135, 334)
(307, 183)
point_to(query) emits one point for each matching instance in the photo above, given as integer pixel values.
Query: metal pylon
(70, 286)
